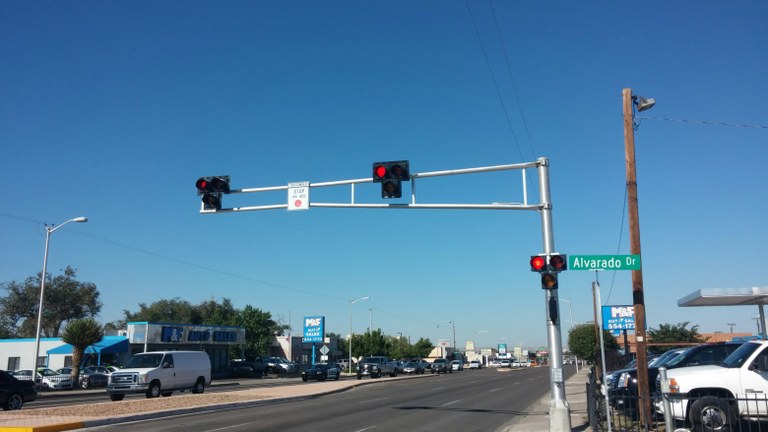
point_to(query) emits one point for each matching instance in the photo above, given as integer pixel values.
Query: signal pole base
(559, 416)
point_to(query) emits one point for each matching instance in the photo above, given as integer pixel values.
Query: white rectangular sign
(298, 196)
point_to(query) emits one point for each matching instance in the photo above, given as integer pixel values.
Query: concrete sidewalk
(536, 417)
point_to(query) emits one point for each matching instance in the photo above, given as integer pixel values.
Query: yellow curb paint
(47, 428)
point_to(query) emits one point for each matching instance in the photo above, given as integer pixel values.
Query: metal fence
(705, 411)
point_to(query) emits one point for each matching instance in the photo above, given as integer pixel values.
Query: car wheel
(359, 377)
(199, 386)
(304, 378)
(85, 383)
(14, 402)
(711, 413)
(154, 390)
(117, 397)
(338, 374)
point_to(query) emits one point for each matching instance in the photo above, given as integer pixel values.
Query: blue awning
(110, 344)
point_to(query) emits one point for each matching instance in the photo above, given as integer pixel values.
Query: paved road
(482, 400)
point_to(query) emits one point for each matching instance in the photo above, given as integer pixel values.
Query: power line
(712, 123)
(493, 78)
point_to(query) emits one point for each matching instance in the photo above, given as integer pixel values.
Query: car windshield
(145, 361)
(47, 372)
(738, 357)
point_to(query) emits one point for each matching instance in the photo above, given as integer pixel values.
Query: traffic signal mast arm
(412, 204)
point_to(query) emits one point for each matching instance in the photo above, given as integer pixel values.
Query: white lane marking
(493, 390)
(373, 400)
(230, 427)
(365, 429)
(451, 403)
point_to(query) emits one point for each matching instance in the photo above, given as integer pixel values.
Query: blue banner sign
(314, 329)
(618, 317)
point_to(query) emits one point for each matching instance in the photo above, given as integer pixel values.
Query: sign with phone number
(618, 317)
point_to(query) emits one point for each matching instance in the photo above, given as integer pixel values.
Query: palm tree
(81, 334)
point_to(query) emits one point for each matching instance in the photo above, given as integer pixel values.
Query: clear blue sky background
(112, 110)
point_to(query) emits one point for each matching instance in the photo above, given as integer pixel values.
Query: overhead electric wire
(495, 83)
(202, 267)
(705, 122)
(512, 79)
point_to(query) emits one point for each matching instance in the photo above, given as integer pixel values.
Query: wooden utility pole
(634, 246)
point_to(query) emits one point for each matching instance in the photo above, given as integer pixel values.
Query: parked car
(321, 372)
(475, 364)
(700, 355)
(506, 364)
(14, 392)
(457, 365)
(413, 368)
(45, 378)
(440, 365)
(495, 363)
(245, 369)
(91, 376)
(721, 397)
(280, 366)
(161, 373)
(376, 367)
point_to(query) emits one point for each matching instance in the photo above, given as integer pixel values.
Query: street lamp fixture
(48, 231)
(351, 302)
(643, 103)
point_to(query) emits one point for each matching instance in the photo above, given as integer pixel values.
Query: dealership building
(137, 337)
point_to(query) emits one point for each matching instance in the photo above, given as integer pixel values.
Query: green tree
(81, 333)
(583, 342)
(671, 334)
(259, 330)
(422, 348)
(173, 310)
(66, 299)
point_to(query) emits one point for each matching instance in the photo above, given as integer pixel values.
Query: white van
(160, 373)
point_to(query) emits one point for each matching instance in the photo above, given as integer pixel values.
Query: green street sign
(603, 262)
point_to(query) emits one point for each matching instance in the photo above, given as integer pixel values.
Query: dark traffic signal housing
(549, 280)
(390, 175)
(549, 266)
(549, 263)
(211, 189)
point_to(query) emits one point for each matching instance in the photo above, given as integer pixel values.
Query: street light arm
(80, 219)
(48, 232)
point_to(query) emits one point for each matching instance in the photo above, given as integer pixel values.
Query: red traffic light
(202, 184)
(380, 172)
(538, 263)
(393, 170)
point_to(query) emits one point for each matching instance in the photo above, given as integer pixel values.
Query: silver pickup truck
(375, 367)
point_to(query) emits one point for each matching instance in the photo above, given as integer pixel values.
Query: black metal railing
(704, 411)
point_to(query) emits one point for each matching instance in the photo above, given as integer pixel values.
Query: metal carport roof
(729, 297)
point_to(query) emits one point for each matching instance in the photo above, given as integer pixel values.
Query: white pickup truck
(717, 397)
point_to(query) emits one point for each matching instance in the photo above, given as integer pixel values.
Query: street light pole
(453, 326)
(351, 302)
(48, 231)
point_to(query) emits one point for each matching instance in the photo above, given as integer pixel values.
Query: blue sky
(112, 110)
